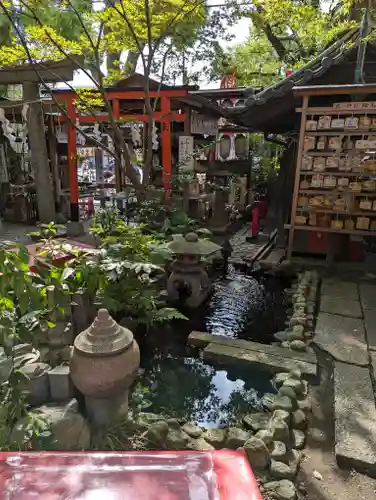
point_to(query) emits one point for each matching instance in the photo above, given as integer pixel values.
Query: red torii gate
(165, 116)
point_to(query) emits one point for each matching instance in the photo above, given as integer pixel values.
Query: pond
(182, 385)
(244, 307)
(193, 390)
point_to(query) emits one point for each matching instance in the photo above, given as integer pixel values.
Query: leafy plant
(25, 311)
(46, 231)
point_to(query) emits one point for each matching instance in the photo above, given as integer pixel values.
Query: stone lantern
(103, 365)
(189, 282)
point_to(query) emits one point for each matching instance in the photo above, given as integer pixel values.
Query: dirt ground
(336, 484)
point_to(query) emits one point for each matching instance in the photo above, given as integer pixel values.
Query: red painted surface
(166, 145)
(262, 208)
(61, 258)
(255, 223)
(219, 475)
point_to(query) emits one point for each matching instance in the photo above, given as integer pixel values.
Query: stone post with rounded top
(103, 365)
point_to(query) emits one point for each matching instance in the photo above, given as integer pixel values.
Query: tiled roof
(331, 56)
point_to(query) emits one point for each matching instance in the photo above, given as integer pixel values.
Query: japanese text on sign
(355, 106)
(186, 152)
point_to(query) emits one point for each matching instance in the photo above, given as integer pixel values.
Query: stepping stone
(368, 296)
(264, 360)
(340, 289)
(355, 418)
(337, 305)
(370, 323)
(342, 337)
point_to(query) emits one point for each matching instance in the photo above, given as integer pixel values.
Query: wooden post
(297, 175)
(166, 145)
(39, 154)
(72, 163)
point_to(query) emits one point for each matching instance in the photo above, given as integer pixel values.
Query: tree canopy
(149, 29)
(285, 34)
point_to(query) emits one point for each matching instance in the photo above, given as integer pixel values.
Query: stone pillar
(39, 155)
(103, 365)
(220, 214)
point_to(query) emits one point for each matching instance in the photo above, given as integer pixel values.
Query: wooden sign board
(201, 124)
(355, 106)
(186, 160)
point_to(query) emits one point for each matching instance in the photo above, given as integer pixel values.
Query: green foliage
(25, 310)
(46, 231)
(265, 158)
(285, 35)
(126, 273)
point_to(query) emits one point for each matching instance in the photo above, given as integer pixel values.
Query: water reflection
(244, 307)
(190, 389)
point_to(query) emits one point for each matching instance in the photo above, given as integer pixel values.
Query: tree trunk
(39, 155)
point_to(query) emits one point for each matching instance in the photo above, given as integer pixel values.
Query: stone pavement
(243, 250)
(346, 329)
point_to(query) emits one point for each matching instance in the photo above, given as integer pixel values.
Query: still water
(246, 307)
(181, 384)
(191, 389)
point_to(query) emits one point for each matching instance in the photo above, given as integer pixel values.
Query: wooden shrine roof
(273, 109)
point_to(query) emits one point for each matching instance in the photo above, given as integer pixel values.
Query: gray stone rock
(281, 490)
(287, 391)
(199, 445)
(145, 419)
(194, 431)
(216, 437)
(286, 344)
(295, 374)
(297, 385)
(280, 470)
(280, 431)
(298, 345)
(176, 439)
(291, 336)
(278, 451)
(257, 453)
(61, 386)
(266, 436)
(283, 403)
(298, 320)
(268, 400)
(297, 439)
(281, 415)
(69, 429)
(174, 423)
(280, 378)
(299, 420)
(280, 336)
(256, 421)
(236, 438)
(36, 383)
(157, 433)
(293, 458)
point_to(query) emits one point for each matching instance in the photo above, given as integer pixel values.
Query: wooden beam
(368, 88)
(158, 116)
(125, 94)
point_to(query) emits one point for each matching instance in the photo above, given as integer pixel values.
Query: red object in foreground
(218, 475)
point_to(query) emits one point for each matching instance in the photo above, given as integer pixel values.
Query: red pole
(255, 224)
(72, 162)
(166, 145)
